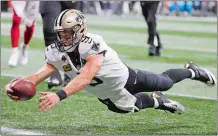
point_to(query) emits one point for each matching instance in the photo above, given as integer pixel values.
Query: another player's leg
(157, 41)
(31, 12)
(66, 80)
(151, 28)
(159, 47)
(15, 35)
(54, 80)
(152, 38)
(48, 18)
(24, 46)
(149, 10)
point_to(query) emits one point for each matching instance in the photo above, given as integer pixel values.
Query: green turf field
(82, 113)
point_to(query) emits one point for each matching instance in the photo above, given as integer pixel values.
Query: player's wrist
(61, 94)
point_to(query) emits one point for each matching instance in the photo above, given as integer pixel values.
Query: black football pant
(144, 81)
(141, 81)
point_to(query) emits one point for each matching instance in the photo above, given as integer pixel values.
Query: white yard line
(12, 131)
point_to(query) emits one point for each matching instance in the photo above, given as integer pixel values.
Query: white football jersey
(110, 79)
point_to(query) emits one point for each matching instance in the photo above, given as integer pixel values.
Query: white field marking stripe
(191, 96)
(173, 94)
(12, 131)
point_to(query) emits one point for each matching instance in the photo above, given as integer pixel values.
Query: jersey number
(87, 39)
(97, 80)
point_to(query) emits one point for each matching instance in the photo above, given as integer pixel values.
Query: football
(24, 89)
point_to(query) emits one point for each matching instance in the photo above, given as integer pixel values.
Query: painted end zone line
(169, 93)
(12, 131)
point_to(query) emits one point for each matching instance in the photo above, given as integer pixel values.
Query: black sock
(144, 101)
(178, 75)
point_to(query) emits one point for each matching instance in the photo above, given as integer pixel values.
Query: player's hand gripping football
(9, 91)
(48, 101)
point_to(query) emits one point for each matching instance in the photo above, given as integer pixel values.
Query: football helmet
(70, 27)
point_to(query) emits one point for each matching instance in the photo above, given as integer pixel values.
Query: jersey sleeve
(51, 54)
(97, 46)
(47, 60)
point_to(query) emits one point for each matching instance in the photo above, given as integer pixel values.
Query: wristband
(61, 94)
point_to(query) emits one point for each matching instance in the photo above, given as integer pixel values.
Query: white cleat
(24, 54)
(14, 57)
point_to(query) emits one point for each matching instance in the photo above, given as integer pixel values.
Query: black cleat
(66, 79)
(159, 47)
(53, 83)
(155, 51)
(55, 80)
(201, 74)
(158, 51)
(167, 104)
(152, 50)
